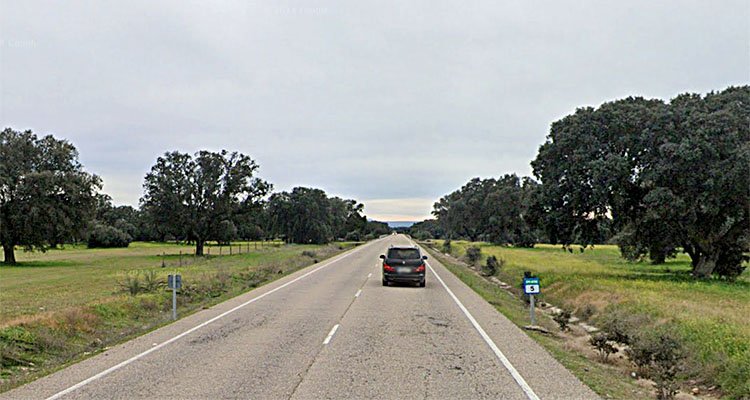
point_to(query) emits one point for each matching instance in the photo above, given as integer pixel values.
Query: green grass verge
(605, 380)
(712, 316)
(64, 305)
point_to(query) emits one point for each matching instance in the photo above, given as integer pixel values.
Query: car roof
(404, 247)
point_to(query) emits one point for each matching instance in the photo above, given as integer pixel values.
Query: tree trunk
(10, 255)
(693, 253)
(199, 247)
(706, 264)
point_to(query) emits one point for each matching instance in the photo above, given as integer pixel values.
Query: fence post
(220, 249)
(180, 258)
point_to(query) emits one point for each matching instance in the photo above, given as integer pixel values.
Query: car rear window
(404, 254)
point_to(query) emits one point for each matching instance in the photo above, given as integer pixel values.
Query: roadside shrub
(251, 278)
(308, 253)
(131, 283)
(49, 340)
(77, 320)
(601, 343)
(587, 312)
(105, 236)
(352, 236)
(622, 325)
(473, 254)
(149, 304)
(447, 248)
(563, 319)
(151, 281)
(147, 281)
(661, 355)
(492, 265)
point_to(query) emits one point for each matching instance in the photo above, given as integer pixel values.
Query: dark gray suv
(404, 264)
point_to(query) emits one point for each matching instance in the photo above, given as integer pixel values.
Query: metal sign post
(531, 287)
(174, 282)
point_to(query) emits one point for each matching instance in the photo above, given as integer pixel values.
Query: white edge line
(513, 371)
(193, 329)
(330, 334)
(358, 293)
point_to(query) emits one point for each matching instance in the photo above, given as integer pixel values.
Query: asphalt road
(329, 331)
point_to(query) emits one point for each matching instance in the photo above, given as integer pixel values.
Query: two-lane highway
(329, 331)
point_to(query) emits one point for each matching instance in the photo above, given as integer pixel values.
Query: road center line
(330, 335)
(369, 275)
(358, 293)
(201, 325)
(504, 360)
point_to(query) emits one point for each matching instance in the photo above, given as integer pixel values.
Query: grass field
(74, 276)
(712, 316)
(62, 305)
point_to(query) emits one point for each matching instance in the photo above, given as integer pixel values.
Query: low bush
(447, 248)
(308, 253)
(473, 254)
(492, 265)
(601, 343)
(105, 236)
(660, 355)
(622, 325)
(136, 281)
(586, 312)
(563, 319)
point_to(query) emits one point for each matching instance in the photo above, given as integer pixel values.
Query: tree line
(654, 177)
(47, 199)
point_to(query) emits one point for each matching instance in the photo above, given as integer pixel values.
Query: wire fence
(187, 257)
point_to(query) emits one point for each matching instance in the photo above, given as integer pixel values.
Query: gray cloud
(387, 102)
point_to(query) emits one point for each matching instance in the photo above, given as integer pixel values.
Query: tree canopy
(495, 210)
(189, 197)
(308, 215)
(668, 175)
(46, 197)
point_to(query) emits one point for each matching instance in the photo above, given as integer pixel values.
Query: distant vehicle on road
(404, 264)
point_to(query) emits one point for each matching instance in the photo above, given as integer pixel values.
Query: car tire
(422, 284)
(385, 282)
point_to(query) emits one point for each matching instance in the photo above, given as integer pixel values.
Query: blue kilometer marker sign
(531, 285)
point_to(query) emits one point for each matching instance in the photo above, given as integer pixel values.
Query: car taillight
(420, 268)
(388, 268)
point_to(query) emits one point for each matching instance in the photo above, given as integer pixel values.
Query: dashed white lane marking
(358, 293)
(193, 329)
(506, 363)
(330, 335)
(369, 275)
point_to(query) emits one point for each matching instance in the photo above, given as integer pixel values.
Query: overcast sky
(393, 104)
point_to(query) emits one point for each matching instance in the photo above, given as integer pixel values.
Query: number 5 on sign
(531, 285)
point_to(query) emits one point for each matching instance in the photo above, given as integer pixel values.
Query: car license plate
(403, 270)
